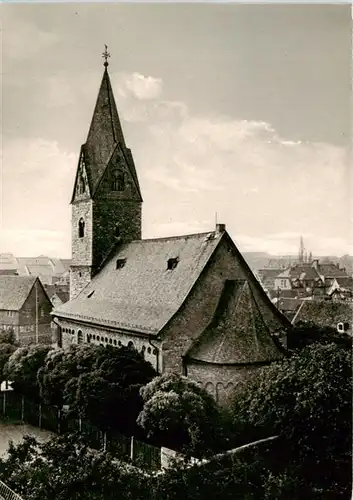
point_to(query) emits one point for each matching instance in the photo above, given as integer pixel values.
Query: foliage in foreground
(99, 383)
(65, 468)
(308, 400)
(179, 413)
(22, 368)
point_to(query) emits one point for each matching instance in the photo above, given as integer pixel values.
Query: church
(190, 304)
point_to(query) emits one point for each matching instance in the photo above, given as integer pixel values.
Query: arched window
(79, 336)
(81, 228)
(117, 230)
(118, 180)
(130, 345)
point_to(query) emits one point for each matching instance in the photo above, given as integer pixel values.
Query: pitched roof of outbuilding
(238, 333)
(331, 270)
(324, 312)
(14, 290)
(345, 282)
(300, 271)
(143, 294)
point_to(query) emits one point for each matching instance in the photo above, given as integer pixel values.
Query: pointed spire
(105, 131)
(301, 251)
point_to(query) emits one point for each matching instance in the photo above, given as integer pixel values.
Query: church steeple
(106, 200)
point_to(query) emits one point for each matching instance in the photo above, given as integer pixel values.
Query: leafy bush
(178, 413)
(22, 368)
(65, 468)
(308, 400)
(99, 383)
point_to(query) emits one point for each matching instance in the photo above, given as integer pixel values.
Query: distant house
(267, 277)
(337, 315)
(301, 277)
(58, 294)
(49, 270)
(8, 265)
(309, 279)
(25, 309)
(341, 289)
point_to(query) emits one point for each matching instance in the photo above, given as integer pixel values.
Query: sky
(238, 113)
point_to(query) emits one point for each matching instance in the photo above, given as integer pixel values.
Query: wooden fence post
(58, 416)
(4, 404)
(132, 449)
(40, 416)
(22, 409)
(79, 425)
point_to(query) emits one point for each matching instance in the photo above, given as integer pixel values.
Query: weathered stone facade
(222, 382)
(71, 332)
(199, 308)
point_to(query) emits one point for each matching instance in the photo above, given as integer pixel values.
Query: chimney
(220, 228)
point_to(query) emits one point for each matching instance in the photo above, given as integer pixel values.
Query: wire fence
(7, 494)
(14, 407)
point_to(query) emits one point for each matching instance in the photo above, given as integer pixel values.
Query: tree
(65, 468)
(6, 350)
(109, 394)
(60, 367)
(304, 334)
(22, 368)
(308, 400)
(99, 383)
(7, 337)
(179, 413)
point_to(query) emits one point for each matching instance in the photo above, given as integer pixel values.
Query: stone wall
(73, 333)
(222, 382)
(197, 312)
(82, 247)
(199, 308)
(110, 214)
(80, 276)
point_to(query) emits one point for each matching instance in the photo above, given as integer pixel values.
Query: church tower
(106, 200)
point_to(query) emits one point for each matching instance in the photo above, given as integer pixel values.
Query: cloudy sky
(241, 110)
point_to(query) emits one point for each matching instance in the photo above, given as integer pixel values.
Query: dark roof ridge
(167, 238)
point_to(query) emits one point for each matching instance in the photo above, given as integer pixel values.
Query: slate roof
(63, 296)
(14, 291)
(288, 304)
(143, 294)
(331, 270)
(267, 276)
(324, 312)
(305, 271)
(238, 333)
(104, 137)
(345, 282)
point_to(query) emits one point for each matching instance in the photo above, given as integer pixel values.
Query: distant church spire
(301, 251)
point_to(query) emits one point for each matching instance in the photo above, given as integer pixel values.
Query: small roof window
(120, 263)
(172, 263)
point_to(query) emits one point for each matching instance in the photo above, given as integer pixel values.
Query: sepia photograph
(176, 251)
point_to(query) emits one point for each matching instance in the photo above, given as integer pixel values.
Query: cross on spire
(105, 55)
